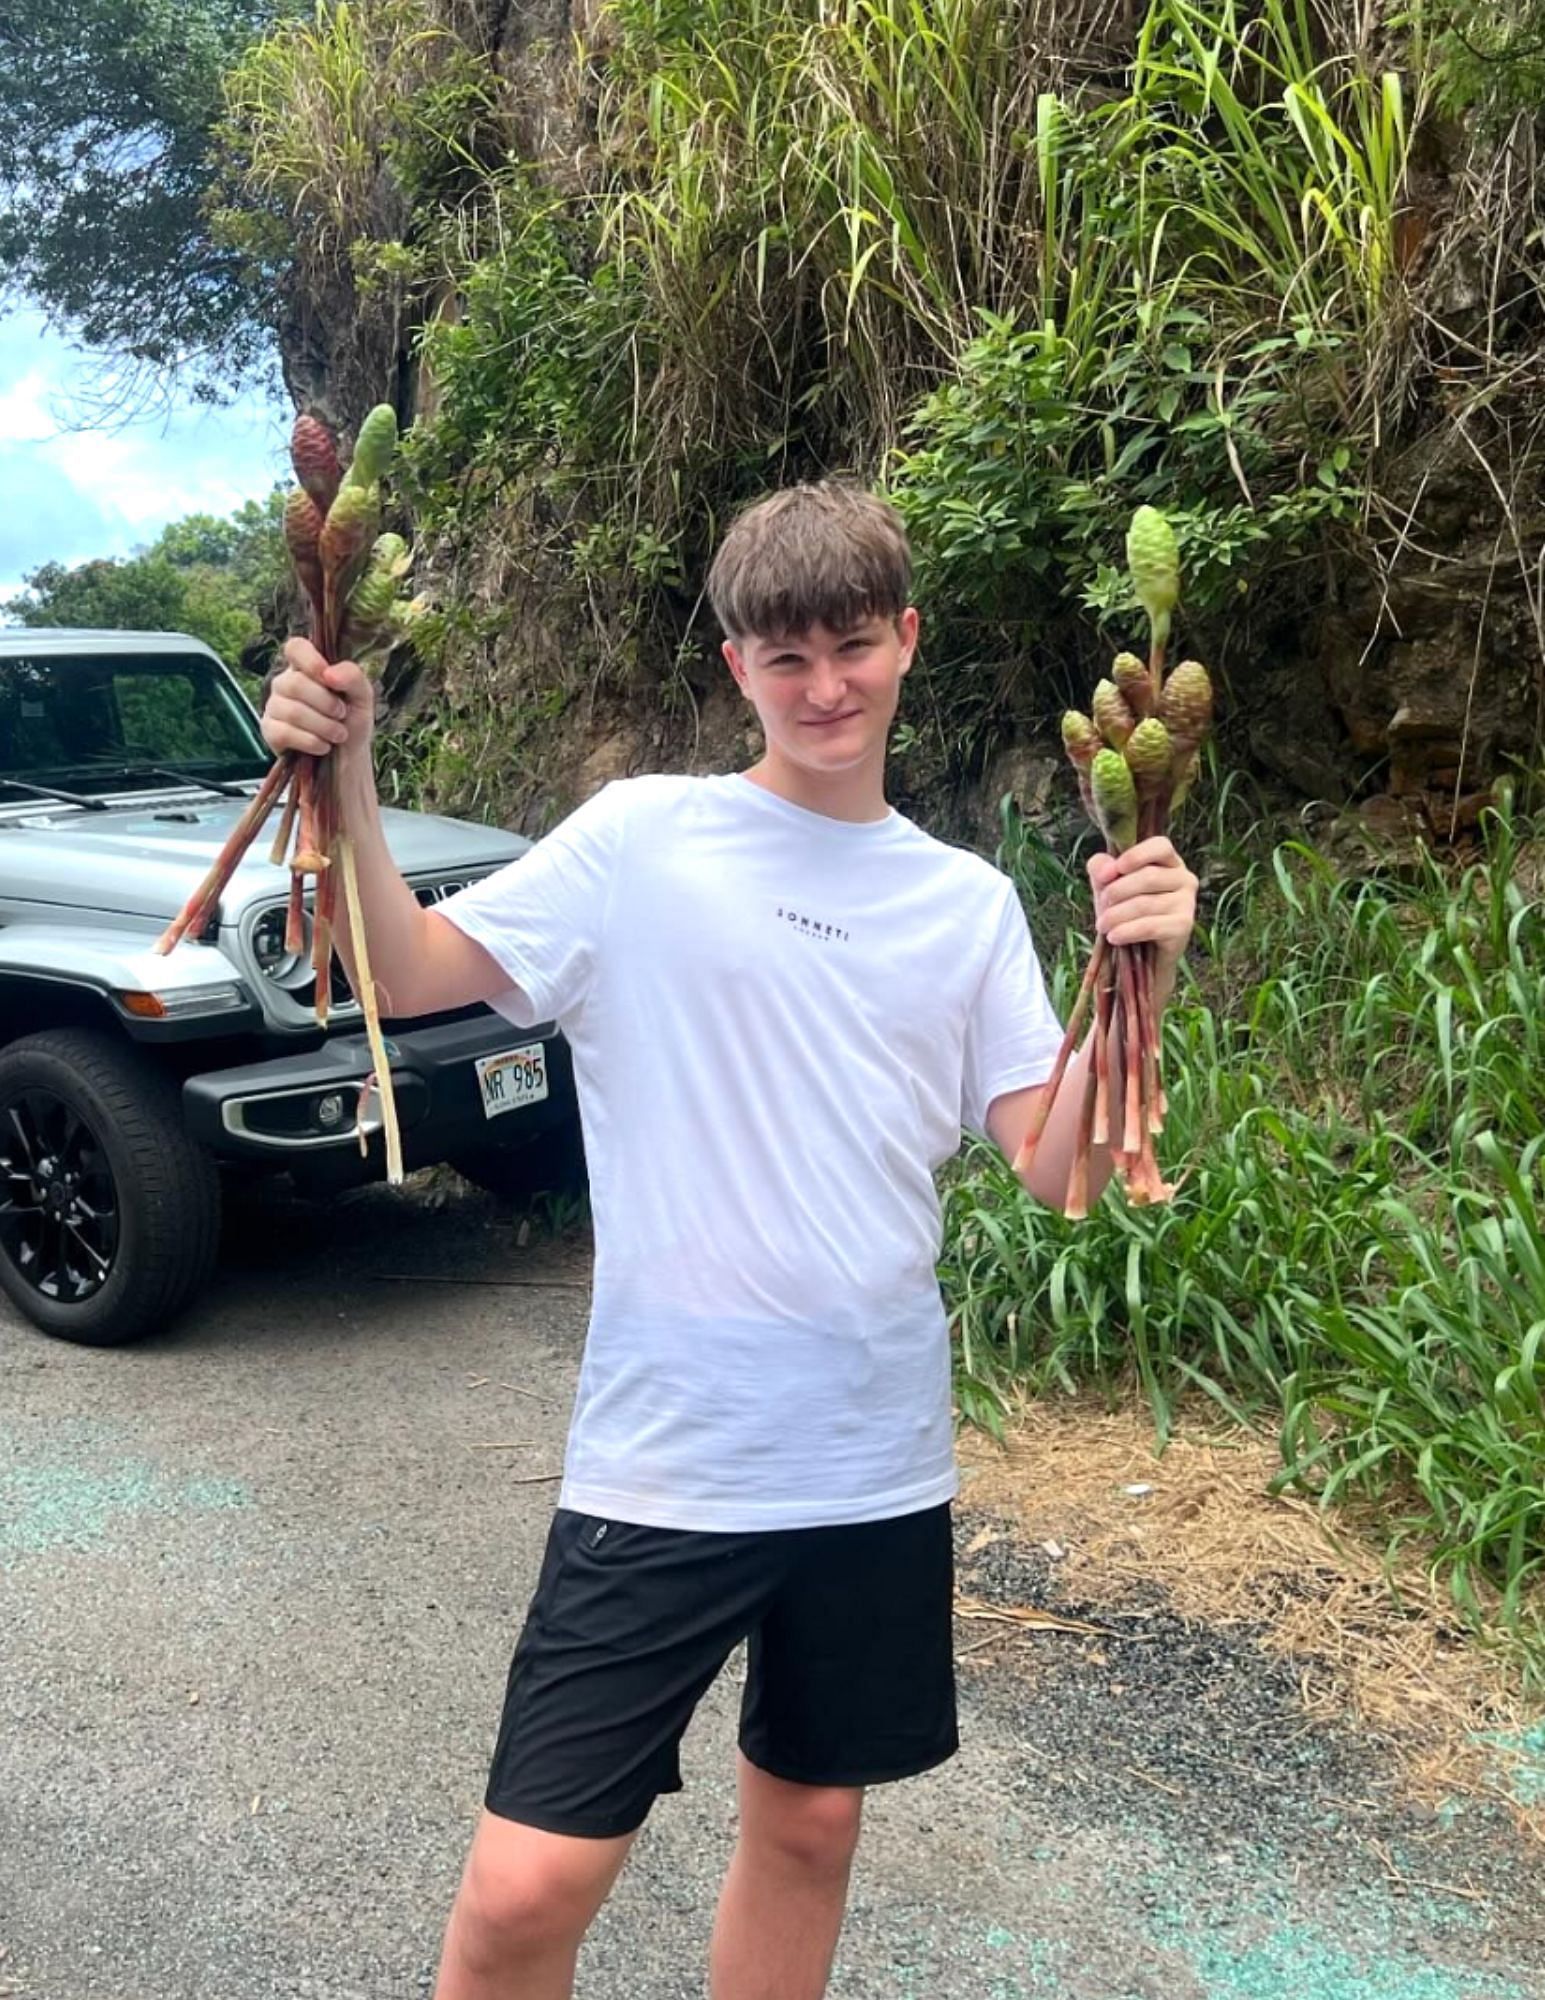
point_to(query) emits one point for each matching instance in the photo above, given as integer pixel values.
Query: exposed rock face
(1422, 676)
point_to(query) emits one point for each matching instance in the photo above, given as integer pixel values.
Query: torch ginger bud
(1080, 738)
(1115, 799)
(392, 554)
(348, 532)
(302, 532)
(374, 447)
(371, 599)
(1135, 682)
(1154, 563)
(1150, 755)
(314, 456)
(1186, 703)
(1113, 715)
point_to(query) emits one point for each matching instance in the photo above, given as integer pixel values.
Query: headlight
(285, 968)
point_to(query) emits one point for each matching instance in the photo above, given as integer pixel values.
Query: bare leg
(786, 1890)
(525, 1902)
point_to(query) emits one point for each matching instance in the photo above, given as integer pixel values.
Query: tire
(553, 1163)
(115, 1241)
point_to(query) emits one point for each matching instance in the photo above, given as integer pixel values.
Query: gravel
(259, 1579)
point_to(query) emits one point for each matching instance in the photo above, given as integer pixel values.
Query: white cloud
(69, 494)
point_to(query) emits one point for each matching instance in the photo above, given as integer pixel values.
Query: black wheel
(553, 1163)
(109, 1214)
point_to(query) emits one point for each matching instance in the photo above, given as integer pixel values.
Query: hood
(146, 860)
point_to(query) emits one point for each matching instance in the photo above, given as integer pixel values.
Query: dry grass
(1372, 1642)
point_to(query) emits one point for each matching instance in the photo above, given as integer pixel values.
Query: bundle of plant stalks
(351, 574)
(1135, 754)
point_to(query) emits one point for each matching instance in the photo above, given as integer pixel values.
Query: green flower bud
(371, 599)
(1154, 563)
(392, 554)
(350, 528)
(374, 447)
(1115, 798)
(1150, 756)
(1080, 738)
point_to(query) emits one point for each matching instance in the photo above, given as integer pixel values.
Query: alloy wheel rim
(59, 1220)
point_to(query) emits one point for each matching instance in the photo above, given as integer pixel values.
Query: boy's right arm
(421, 963)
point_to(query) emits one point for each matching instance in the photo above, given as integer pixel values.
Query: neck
(856, 795)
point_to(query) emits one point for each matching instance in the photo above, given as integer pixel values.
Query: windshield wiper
(55, 792)
(220, 785)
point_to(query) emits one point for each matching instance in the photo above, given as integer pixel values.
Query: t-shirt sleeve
(1013, 1034)
(542, 918)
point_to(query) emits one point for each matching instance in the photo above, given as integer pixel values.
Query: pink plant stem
(1100, 1136)
(1049, 1089)
(1076, 1204)
(195, 912)
(1131, 1051)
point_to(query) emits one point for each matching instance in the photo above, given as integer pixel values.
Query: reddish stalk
(1100, 1135)
(195, 912)
(1131, 1044)
(1076, 1202)
(1049, 1089)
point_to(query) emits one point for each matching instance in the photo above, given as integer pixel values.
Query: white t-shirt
(780, 1023)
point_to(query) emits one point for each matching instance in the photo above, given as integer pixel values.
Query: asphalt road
(258, 1584)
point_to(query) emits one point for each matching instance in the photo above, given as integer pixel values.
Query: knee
(813, 1828)
(507, 1914)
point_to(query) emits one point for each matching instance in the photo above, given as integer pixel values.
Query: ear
(906, 630)
(737, 666)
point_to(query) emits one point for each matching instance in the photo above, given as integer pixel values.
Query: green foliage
(1357, 1121)
(890, 238)
(1019, 477)
(339, 128)
(1488, 59)
(105, 112)
(220, 579)
(1215, 247)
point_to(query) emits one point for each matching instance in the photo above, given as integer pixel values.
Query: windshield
(88, 720)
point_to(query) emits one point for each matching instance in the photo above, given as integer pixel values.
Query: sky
(68, 494)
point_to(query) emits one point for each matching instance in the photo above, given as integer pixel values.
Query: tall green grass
(1357, 1093)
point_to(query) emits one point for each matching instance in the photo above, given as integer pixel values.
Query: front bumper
(276, 1113)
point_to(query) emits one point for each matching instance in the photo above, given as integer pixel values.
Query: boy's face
(826, 699)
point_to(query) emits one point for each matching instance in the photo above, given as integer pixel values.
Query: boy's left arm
(1145, 896)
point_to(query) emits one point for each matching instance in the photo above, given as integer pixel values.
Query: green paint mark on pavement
(57, 1502)
(1302, 1961)
(1521, 1765)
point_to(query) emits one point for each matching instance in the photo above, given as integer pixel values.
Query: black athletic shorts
(850, 1673)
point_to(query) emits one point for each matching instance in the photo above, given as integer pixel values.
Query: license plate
(511, 1081)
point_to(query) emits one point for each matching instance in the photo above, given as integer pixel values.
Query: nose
(827, 684)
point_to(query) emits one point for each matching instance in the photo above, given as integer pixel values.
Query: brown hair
(827, 553)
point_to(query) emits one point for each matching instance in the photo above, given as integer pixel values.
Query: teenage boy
(784, 1002)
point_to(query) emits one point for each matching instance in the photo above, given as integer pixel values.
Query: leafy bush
(1357, 1119)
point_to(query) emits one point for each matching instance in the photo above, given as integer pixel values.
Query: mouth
(830, 721)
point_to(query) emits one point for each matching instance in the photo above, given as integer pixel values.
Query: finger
(304, 658)
(1167, 911)
(1151, 881)
(298, 698)
(1165, 930)
(347, 678)
(296, 719)
(1102, 869)
(1157, 851)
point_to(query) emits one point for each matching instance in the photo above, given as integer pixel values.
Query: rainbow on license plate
(512, 1080)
